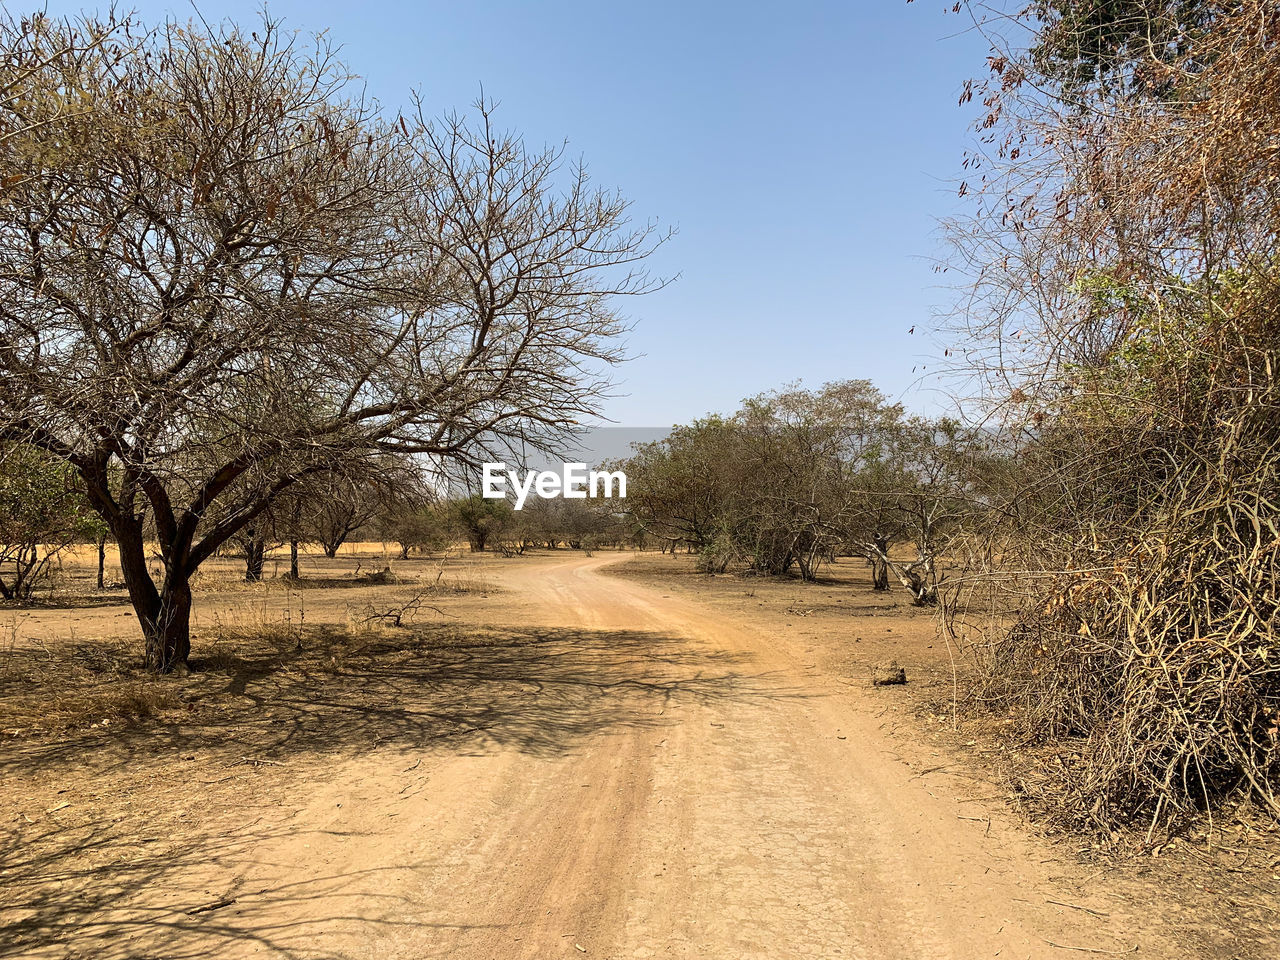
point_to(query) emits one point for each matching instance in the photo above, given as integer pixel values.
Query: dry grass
(75, 687)
(1140, 675)
(52, 684)
(51, 691)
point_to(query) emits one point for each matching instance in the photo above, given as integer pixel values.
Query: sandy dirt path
(737, 805)
(689, 787)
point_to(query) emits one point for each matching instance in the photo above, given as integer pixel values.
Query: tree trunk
(331, 549)
(879, 568)
(927, 597)
(102, 561)
(143, 595)
(168, 633)
(879, 574)
(293, 560)
(919, 580)
(926, 592)
(165, 615)
(254, 555)
(25, 562)
(25, 587)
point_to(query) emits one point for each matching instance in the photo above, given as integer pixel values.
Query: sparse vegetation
(799, 477)
(41, 514)
(1122, 593)
(263, 335)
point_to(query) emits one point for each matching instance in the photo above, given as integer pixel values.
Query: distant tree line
(798, 477)
(43, 513)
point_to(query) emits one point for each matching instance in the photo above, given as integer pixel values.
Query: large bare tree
(225, 270)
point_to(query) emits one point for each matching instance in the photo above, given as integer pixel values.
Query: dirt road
(670, 785)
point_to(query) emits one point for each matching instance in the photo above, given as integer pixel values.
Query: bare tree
(338, 504)
(229, 272)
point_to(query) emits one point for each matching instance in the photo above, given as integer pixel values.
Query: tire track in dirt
(714, 796)
(781, 823)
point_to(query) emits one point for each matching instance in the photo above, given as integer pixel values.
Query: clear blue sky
(803, 150)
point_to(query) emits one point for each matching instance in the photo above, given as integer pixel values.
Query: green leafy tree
(482, 520)
(425, 527)
(1115, 43)
(42, 512)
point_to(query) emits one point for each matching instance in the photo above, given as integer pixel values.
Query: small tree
(481, 520)
(41, 514)
(678, 488)
(423, 527)
(338, 504)
(930, 478)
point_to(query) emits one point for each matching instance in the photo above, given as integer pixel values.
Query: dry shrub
(452, 579)
(1159, 679)
(1136, 630)
(1123, 599)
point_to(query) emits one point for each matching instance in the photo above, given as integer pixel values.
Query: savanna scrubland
(270, 685)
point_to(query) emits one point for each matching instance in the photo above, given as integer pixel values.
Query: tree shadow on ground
(112, 881)
(538, 690)
(374, 578)
(83, 890)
